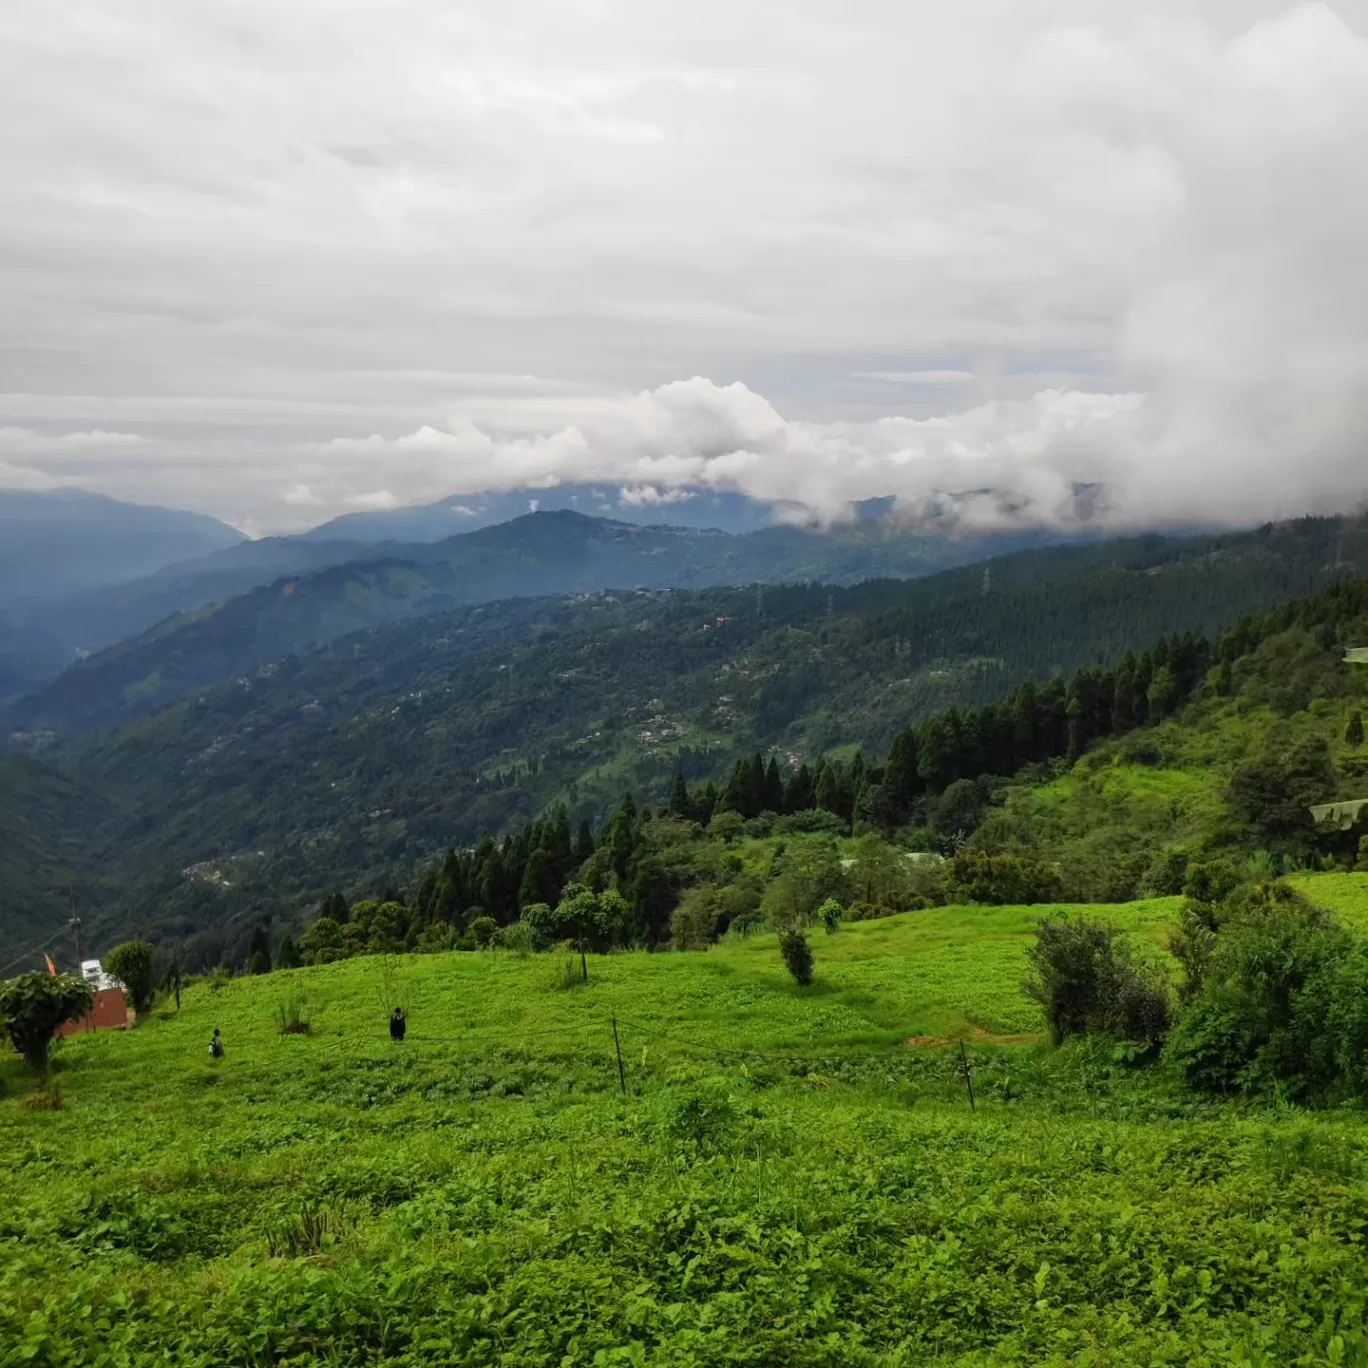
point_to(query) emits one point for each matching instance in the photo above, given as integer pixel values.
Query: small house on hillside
(1341, 816)
(1356, 655)
(110, 1010)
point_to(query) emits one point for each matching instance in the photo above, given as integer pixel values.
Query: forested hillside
(254, 601)
(346, 765)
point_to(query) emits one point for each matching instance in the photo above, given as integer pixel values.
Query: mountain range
(346, 763)
(192, 624)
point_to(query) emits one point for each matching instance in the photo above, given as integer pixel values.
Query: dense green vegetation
(350, 765)
(790, 1176)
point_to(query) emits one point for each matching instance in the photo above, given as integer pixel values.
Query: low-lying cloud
(1043, 262)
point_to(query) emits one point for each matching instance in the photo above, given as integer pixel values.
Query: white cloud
(372, 501)
(920, 377)
(403, 250)
(29, 440)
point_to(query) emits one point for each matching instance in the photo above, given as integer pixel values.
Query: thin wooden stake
(617, 1046)
(584, 963)
(968, 1076)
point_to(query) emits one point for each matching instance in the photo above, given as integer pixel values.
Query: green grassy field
(785, 1181)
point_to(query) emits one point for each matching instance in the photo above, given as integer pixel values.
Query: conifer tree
(1353, 733)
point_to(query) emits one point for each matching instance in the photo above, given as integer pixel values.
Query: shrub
(516, 938)
(43, 1099)
(829, 914)
(693, 924)
(1086, 981)
(34, 1006)
(290, 1014)
(134, 964)
(977, 877)
(1281, 1007)
(1362, 865)
(797, 955)
(482, 931)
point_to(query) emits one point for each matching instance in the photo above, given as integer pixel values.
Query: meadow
(777, 1176)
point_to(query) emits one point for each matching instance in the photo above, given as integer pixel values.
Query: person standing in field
(216, 1045)
(398, 1024)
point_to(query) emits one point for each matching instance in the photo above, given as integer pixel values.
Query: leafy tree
(1353, 731)
(322, 943)
(1272, 792)
(1086, 980)
(34, 1006)
(977, 877)
(482, 931)
(134, 964)
(694, 922)
(797, 953)
(1361, 866)
(959, 809)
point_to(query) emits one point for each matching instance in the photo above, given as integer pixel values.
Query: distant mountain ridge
(56, 541)
(348, 588)
(643, 505)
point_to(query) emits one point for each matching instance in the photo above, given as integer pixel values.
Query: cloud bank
(1009, 260)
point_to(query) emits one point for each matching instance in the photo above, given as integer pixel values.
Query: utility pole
(76, 929)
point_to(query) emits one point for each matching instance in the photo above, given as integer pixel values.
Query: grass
(784, 1182)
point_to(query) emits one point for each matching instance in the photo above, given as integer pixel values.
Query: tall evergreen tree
(584, 842)
(900, 774)
(774, 788)
(1353, 732)
(680, 803)
(798, 794)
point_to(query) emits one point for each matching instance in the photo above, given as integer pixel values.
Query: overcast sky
(281, 259)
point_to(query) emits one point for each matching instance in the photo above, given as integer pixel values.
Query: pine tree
(288, 956)
(900, 774)
(584, 842)
(259, 952)
(798, 795)
(680, 805)
(1353, 733)
(774, 788)
(1025, 726)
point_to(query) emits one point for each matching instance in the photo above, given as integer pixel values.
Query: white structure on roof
(96, 976)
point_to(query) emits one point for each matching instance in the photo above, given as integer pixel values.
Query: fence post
(617, 1047)
(968, 1076)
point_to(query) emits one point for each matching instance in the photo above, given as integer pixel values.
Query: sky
(1014, 262)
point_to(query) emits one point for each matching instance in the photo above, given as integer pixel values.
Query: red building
(110, 1010)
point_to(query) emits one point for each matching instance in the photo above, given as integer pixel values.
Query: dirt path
(978, 1037)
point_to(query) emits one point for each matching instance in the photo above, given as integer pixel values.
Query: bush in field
(134, 964)
(797, 955)
(482, 931)
(977, 877)
(34, 1006)
(1087, 981)
(694, 922)
(1283, 1006)
(830, 914)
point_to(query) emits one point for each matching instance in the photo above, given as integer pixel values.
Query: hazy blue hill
(92, 619)
(55, 541)
(220, 636)
(701, 508)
